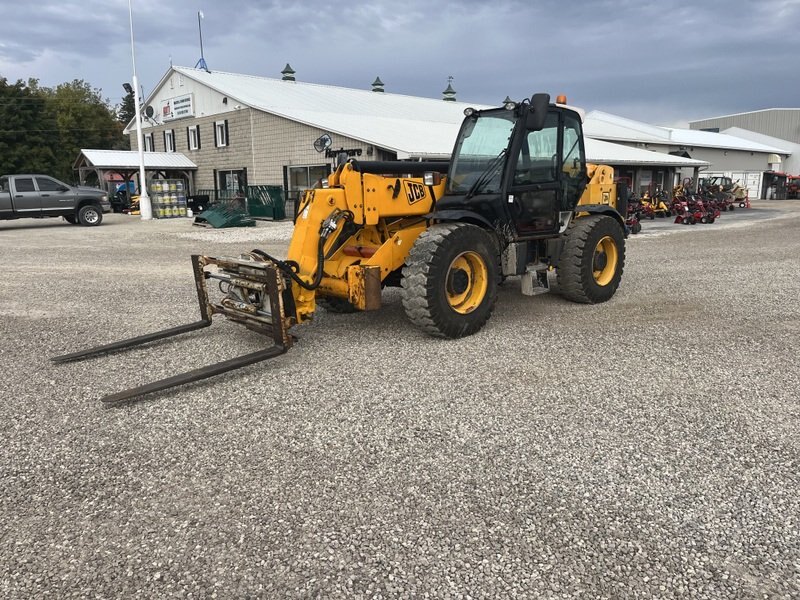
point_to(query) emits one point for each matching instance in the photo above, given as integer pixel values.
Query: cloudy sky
(661, 61)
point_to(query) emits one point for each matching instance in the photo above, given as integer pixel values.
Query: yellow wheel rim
(604, 261)
(467, 282)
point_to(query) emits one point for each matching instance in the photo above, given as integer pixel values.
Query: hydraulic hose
(289, 267)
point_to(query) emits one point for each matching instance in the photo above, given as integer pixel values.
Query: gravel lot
(643, 448)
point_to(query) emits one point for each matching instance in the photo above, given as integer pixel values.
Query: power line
(94, 129)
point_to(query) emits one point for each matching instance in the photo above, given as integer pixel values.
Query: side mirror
(537, 112)
(63, 188)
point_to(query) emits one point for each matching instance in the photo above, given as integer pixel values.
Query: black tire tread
(82, 221)
(415, 292)
(569, 273)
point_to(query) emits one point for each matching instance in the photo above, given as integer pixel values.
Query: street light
(145, 208)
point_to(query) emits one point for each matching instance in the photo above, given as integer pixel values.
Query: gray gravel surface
(643, 448)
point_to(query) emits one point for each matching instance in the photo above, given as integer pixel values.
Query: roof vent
(288, 73)
(377, 85)
(449, 95)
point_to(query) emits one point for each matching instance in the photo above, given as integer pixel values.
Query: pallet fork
(254, 296)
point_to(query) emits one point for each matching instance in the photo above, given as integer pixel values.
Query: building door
(232, 183)
(645, 180)
(753, 184)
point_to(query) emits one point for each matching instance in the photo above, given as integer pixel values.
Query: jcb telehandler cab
(518, 199)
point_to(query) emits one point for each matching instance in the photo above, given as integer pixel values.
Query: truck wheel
(590, 266)
(70, 219)
(450, 277)
(90, 215)
(336, 305)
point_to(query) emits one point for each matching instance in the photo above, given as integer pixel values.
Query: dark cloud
(661, 61)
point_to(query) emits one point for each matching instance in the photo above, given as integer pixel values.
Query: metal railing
(262, 201)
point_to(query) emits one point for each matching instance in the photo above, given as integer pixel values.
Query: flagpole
(145, 207)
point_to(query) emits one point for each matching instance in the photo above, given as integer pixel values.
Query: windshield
(482, 140)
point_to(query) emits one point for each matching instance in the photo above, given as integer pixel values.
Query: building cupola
(288, 73)
(449, 95)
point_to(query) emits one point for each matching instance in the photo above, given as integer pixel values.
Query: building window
(169, 140)
(300, 179)
(221, 133)
(148, 142)
(193, 137)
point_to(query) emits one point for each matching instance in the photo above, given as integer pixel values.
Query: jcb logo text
(414, 191)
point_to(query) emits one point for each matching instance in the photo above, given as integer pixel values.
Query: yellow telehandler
(516, 199)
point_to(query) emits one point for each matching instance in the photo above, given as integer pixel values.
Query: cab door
(25, 197)
(549, 175)
(56, 197)
(534, 192)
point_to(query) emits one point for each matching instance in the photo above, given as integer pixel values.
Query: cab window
(24, 184)
(538, 156)
(47, 185)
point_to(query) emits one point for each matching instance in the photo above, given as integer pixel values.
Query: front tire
(90, 215)
(450, 277)
(591, 263)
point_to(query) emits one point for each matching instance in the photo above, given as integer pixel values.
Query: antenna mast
(202, 62)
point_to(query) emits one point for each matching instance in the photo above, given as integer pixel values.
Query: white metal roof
(605, 126)
(601, 152)
(762, 138)
(709, 139)
(129, 159)
(740, 114)
(408, 125)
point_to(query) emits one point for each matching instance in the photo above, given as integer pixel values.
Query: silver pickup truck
(37, 196)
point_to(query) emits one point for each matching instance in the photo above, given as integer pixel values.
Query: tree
(28, 131)
(127, 110)
(83, 120)
(42, 130)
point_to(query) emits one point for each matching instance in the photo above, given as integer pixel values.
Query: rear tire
(90, 215)
(591, 264)
(450, 280)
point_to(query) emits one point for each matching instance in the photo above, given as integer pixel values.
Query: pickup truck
(38, 196)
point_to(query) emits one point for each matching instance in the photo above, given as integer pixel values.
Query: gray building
(781, 123)
(745, 160)
(777, 126)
